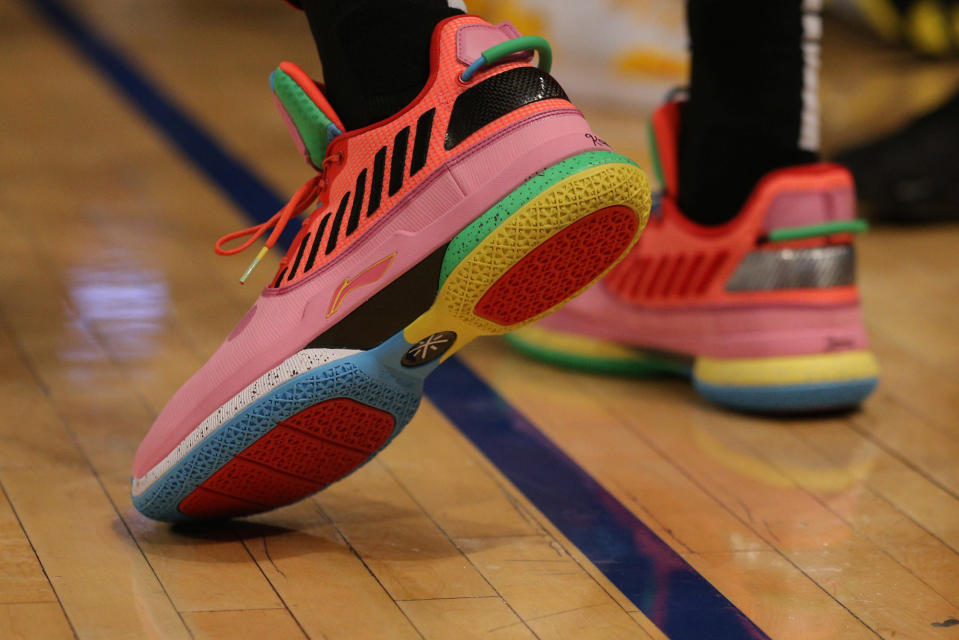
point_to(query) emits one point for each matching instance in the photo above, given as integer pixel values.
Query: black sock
(375, 53)
(745, 111)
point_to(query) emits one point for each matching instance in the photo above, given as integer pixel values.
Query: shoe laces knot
(305, 196)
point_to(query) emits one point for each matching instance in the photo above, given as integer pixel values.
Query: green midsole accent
(815, 230)
(641, 365)
(467, 239)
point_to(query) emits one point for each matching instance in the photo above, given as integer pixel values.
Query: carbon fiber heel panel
(814, 268)
(497, 96)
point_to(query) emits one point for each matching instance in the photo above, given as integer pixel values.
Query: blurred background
(886, 63)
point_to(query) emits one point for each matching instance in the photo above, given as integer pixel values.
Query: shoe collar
(313, 123)
(792, 196)
(308, 115)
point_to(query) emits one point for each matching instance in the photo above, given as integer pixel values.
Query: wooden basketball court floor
(838, 527)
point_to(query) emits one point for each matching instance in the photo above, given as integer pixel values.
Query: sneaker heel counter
(807, 232)
(808, 196)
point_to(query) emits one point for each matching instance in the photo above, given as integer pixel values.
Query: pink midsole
(281, 323)
(719, 332)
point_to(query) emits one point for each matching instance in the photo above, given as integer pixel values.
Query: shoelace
(310, 191)
(300, 202)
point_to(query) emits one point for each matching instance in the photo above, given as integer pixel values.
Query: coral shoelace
(300, 202)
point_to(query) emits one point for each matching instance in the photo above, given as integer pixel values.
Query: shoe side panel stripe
(360, 192)
(694, 266)
(337, 223)
(376, 185)
(398, 163)
(316, 242)
(711, 272)
(299, 255)
(421, 144)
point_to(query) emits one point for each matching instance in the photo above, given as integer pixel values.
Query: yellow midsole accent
(549, 213)
(783, 370)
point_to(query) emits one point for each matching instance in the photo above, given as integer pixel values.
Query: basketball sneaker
(762, 312)
(480, 207)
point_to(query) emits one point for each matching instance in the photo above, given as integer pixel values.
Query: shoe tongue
(308, 115)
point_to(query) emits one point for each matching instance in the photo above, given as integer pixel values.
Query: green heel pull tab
(497, 52)
(817, 230)
(523, 43)
(314, 128)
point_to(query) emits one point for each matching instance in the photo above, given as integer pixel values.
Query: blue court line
(683, 604)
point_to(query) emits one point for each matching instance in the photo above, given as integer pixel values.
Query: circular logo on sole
(429, 348)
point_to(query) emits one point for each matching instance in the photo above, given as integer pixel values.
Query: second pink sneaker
(762, 313)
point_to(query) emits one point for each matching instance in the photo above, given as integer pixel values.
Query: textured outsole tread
(559, 267)
(298, 457)
(617, 190)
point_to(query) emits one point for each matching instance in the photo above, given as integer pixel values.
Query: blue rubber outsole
(796, 398)
(369, 377)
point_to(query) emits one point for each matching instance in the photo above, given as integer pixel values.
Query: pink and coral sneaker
(763, 312)
(481, 207)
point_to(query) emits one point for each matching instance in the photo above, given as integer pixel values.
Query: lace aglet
(256, 261)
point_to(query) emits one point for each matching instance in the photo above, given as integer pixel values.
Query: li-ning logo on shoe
(596, 140)
(834, 343)
(368, 276)
(429, 348)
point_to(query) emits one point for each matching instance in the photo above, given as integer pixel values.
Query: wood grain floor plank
(34, 621)
(487, 618)
(596, 440)
(22, 579)
(272, 624)
(781, 601)
(202, 569)
(408, 553)
(503, 536)
(102, 579)
(670, 504)
(794, 523)
(323, 582)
